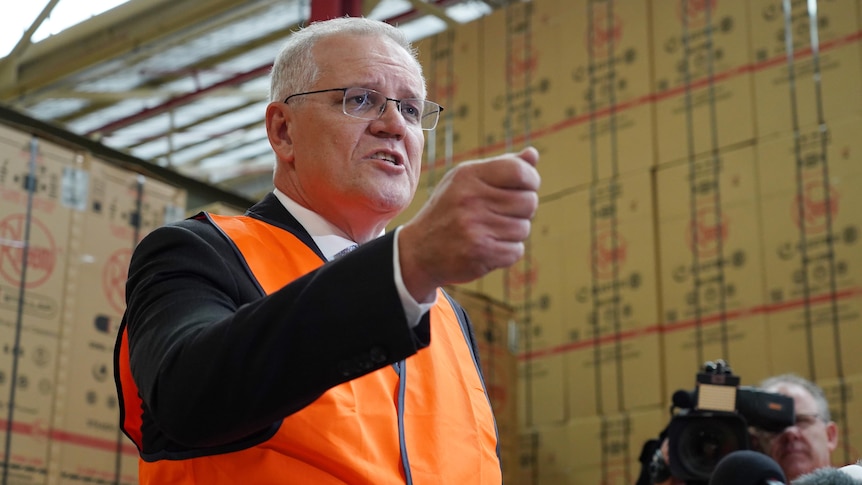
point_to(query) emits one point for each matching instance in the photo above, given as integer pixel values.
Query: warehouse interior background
(177, 83)
(700, 165)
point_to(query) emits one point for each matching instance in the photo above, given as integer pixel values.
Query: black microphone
(747, 467)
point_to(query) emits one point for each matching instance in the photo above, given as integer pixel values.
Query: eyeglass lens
(805, 420)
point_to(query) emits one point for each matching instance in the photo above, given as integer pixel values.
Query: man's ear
(278, 119)
(832, 435)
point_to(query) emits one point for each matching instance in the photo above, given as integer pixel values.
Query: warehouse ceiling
(183, 83)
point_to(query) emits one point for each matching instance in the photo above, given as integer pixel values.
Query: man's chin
(795, 464)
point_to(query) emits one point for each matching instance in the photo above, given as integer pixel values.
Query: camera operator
(808, 444)
(787, 419)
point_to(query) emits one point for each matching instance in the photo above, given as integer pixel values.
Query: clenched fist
(475, 221)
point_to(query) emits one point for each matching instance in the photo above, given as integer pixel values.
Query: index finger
(510, 172)
(530, 155)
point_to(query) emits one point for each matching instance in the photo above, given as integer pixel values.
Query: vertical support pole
(328, 9)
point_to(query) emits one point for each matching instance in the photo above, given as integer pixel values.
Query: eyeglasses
(368, 104)
(803, 422)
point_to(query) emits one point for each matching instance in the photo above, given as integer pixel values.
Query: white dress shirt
(331, 240)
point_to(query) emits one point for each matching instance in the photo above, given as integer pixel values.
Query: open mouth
(388, 157)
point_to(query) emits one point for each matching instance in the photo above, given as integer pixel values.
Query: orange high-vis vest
(425, 421)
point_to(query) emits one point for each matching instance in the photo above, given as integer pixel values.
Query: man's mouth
(386, 157)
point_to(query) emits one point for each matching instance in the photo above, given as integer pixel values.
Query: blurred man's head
(807, 445)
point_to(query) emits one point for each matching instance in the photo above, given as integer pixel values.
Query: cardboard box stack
(496, 335)
(42, 186)
(808, 186)
(68, 224)
(710, 266)
(701, 78)
(798, 87)
(122, 207)
(698, 163)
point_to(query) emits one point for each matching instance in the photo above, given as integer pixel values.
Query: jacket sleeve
(215, 360)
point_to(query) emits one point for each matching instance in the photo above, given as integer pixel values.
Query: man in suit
(251, 352)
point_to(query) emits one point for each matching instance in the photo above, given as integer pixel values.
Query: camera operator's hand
(664, 450)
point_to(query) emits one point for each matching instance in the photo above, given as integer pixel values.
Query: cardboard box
(564, 164)
(612, 284)
(521, 89)
(538, 285)
(450, 63)
(815, 337)
(614, 374)
(710, 248)
(701, 78)
(739, 340)
(597, 450)
(542, 390)
(808, 183)
(606, 94)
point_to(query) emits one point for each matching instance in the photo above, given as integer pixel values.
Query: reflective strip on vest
(350, 435)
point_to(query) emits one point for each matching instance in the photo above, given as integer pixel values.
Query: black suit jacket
(219, 364)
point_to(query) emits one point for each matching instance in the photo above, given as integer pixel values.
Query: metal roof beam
(434, 10)
(147, 93)
(202, 66)
(113, 33)
(26, 39)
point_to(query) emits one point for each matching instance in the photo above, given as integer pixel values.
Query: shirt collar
(328, 238)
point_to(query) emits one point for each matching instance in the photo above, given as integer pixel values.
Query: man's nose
(396, 108)
(392, 118)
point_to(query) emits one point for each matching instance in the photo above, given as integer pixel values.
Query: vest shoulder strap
(270, 252)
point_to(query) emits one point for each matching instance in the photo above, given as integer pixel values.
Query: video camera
(712, 421)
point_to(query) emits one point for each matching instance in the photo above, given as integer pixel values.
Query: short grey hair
(295, 69)
(812, 388)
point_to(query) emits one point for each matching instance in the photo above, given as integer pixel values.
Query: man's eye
(358, 100)
(410, 109)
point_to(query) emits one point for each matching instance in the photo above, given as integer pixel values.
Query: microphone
(747, 467)
(827, 476)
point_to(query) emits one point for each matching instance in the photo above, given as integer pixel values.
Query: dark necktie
(345, 251)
